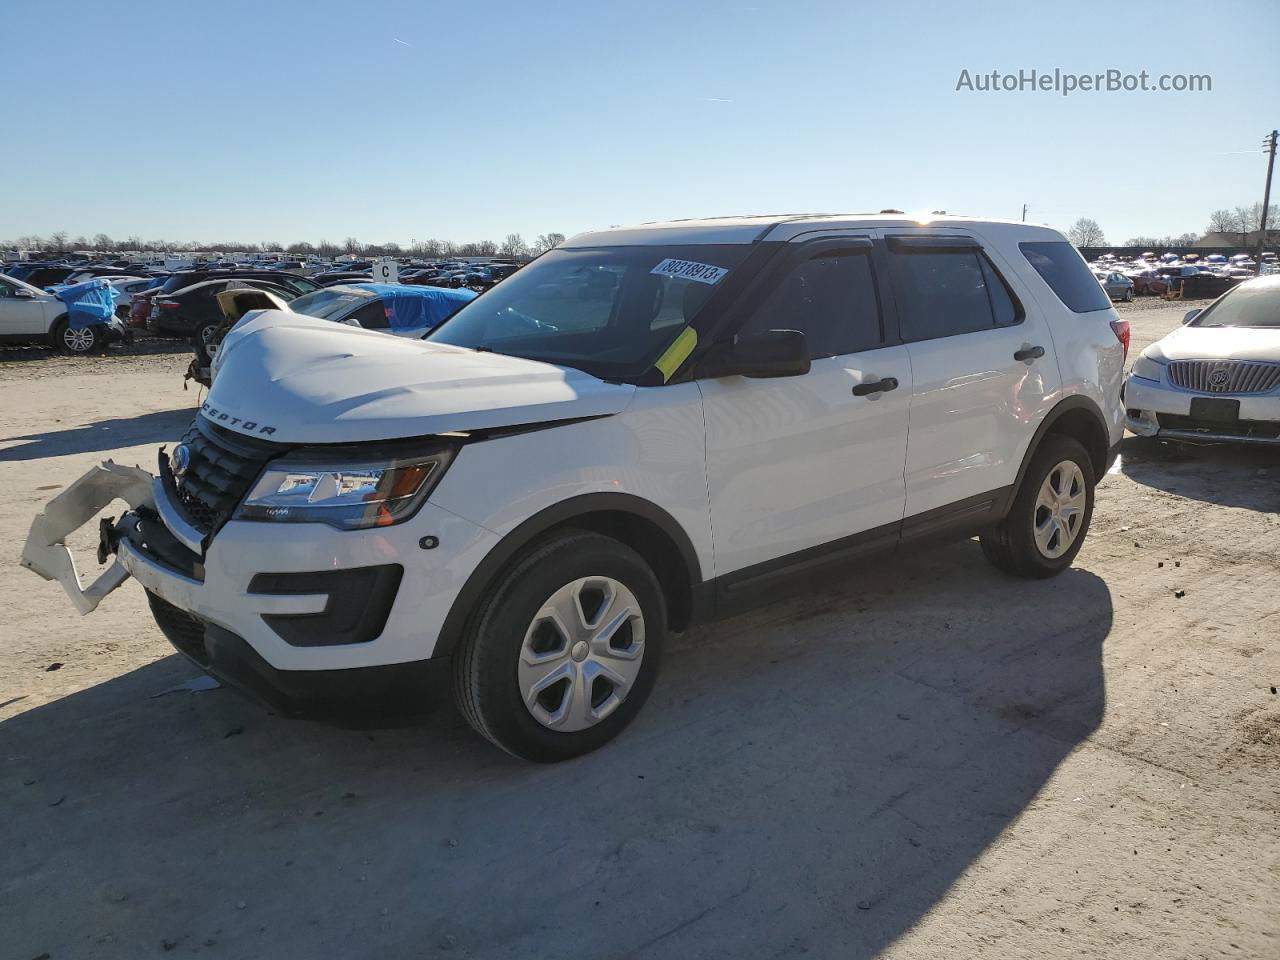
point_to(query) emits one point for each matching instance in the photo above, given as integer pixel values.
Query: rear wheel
(75, 342)
(1051, 511)
(565, 649)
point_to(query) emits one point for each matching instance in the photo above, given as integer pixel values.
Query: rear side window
(831, 299)
(947, 293)
(1067, 275)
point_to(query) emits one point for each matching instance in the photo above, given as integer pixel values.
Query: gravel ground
(936, 761)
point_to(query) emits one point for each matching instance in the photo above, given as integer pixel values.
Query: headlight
(1148, 369)
(349, 496)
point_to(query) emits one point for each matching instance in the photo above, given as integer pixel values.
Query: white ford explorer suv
(642, 428)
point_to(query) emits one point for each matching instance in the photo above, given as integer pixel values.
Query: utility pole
(1268, 144)
(1024, 212)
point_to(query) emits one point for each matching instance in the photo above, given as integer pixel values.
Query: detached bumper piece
(327, 693)
(45, 551)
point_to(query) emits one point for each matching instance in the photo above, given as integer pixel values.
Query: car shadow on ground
(1233, 475)
(146, 346)
(812, 777)
(110, 434)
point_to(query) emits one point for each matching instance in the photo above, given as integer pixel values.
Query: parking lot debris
(1160, 564)
(1179, 594)
(58, 802)
(233, 732)
(56, 665)
(194, 685)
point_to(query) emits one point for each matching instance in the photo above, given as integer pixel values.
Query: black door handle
(876, 386)
(1030, 353)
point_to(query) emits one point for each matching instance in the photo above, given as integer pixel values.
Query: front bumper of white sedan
(1161, 409)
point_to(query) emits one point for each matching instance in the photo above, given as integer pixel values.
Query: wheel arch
(1077, 417)
(640, 524)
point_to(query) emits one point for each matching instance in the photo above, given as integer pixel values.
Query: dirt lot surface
(936, 762)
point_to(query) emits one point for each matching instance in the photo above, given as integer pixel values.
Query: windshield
(610, 311)
(1254, 304)
(330, 302)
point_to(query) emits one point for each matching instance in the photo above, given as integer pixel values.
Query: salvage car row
(182, 303)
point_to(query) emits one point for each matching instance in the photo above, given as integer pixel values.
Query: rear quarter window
(1067, 275)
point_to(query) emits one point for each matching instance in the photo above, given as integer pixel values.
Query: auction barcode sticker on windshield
(690, 270)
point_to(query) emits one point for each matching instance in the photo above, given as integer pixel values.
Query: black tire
(200, 341)
(1011, 546)
(87, 342)
(485, 668)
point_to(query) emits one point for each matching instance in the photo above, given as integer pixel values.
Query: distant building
(1245, 241)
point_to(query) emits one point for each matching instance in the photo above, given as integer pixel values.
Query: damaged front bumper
(46, 552)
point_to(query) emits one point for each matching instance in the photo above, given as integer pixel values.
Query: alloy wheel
(1060, 507)
(78, 341)
(581, 654)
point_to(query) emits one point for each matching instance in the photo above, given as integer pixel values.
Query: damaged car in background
(1216, 378)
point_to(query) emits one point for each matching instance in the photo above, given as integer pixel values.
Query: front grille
(1225, 376)
(218, 475)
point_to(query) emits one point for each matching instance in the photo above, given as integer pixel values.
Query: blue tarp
(89, 303)
(416, 308)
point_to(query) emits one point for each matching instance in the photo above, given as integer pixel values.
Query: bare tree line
(1243, 219)
(514, 245)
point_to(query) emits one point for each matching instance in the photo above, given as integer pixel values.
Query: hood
(1218, 343)
(298, 379)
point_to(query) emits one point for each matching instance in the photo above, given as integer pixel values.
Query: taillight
(1121, 329)
(173, 305)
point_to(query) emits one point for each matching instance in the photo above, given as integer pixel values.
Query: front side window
(946, 293)
(610, 311)
(830, 298)
(1066, 273)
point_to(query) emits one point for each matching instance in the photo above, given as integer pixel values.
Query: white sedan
(1217, 378)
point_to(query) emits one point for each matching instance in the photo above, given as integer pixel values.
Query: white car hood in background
(297, 379)
(1219, 343)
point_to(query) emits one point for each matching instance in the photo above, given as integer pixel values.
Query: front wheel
(1051, 511)
(74, 342)
(564, 650)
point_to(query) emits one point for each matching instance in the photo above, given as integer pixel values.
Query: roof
(749, 229)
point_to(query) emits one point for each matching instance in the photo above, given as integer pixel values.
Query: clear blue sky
(277, 120)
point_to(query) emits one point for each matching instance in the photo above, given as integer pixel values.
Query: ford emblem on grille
(180, 460)
(1218, 378)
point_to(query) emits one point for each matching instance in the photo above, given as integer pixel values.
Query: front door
(795, 463)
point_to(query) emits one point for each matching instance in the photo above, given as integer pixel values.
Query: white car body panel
(299, 379)
(799, 461)
(652, 450)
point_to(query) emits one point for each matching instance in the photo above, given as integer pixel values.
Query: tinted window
(942, 294)
(831, 299)
(1066, 273)
(1007, 311)
(372, 316)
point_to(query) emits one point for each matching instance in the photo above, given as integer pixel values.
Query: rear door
(806, 463)
(983, 366)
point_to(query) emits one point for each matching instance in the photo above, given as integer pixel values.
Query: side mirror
(774, 353)
(1190, 315)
